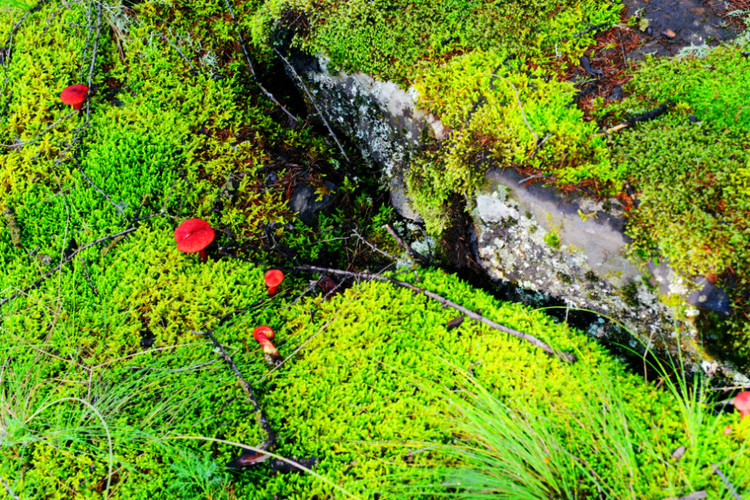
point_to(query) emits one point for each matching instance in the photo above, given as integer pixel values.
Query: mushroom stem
(204, 255)
(262, 334)
(273, 289)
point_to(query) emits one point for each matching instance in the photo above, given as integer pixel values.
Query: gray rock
(304, 202)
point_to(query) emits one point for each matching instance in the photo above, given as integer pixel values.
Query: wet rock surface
(674, 24)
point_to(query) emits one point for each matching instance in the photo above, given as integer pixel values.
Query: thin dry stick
(373, 247)
(270, 436)
(727, 483)
(416, 255)
(7, 488)
(63, 262)
(30, 141)
(518, 100)
(312, 100)
(468, 312)
(294, 119)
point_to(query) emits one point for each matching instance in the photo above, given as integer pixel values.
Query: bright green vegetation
(106, 392)
(396, 40)
(695, 211)
(499, 111)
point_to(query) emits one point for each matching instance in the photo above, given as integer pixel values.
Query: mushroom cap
(193, 235)
(274, 277)
(74, 95)
(742, 403)
(265, 331)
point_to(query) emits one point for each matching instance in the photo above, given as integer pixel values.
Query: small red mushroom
(262, 334)
(194, 235)
(742, 403)
(273, 278)
(75, 95)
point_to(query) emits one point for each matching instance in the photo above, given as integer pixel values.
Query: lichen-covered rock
(572, 248)
(380, 118)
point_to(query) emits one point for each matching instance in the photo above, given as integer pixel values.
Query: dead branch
(293, 118)
(727, 483)
(518, 100)
(10, 492)
(312, 100)
(416, 255)
(64, 261)
(643, 117)
(595, 27)
(696, 495)
(270, 436)
(468, 312)
(373, 247)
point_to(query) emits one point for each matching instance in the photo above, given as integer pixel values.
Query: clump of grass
(599, 445)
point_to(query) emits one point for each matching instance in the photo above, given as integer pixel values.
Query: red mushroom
(273, 278)
(75, 95)
(742, 403)
(194, 235)
(262, 334)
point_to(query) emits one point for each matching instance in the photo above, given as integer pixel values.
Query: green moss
(360, 383)
(500, 111)
(552, 240)
(713, 86)
(394, 41)
(691, 179)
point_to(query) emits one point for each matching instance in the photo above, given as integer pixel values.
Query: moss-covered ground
(107, 387)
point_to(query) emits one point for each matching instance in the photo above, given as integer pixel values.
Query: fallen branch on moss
(294, 120)
(62, 263)
(312, 100)
(468, 312)
(726, 481)
(643, 117)
(416, 255)
(270, 436)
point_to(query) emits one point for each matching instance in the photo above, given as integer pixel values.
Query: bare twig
(62, 263)
(7, 488)
(538, 146)
(293, 118)
(518, 100)
(595, 27)
(532, 177)
(270, 437)
(312, 100)
(468, 312)
(175, 47)
(117, 207)
(373, 247)
(88, 277)
(696, 495)
(727, 483)
(416, 255)
(643, 117)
